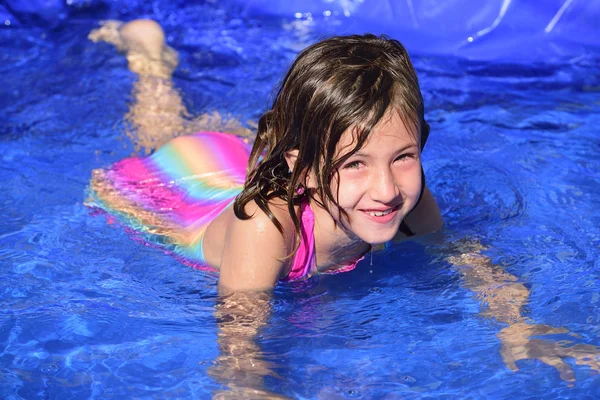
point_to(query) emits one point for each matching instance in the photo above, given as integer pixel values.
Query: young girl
(335, 168)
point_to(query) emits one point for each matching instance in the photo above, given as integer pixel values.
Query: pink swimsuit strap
(304, 261)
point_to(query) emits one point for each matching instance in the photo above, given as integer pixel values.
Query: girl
(335, 168)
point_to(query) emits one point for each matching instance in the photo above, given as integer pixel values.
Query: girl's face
(380, 184)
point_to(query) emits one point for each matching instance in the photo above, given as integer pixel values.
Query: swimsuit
(304, 261)
(169, 198)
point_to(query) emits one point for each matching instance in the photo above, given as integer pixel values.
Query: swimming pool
(513, 159)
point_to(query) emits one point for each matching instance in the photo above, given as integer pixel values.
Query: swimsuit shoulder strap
(304, 260)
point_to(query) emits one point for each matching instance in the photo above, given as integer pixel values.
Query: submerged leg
(157, 113)
(143, 42)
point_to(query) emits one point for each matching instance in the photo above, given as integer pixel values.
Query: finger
(588, 361)
(566, 373)
(555, 331)
(592, 360)
(509, 359)
(547, 330)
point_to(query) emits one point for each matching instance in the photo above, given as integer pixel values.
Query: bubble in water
(49, 369)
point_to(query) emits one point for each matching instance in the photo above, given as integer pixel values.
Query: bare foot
(143, 42)
(109, 33)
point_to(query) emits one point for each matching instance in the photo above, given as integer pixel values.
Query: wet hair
(339, 84)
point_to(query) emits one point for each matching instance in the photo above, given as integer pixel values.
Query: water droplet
(49, 369)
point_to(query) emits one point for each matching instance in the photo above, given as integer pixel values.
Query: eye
(404, 157)
(352, 165)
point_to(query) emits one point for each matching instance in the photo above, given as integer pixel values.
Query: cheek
(347, 193)
(412, 183)
(348, 190)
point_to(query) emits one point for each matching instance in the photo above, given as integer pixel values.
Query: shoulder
(262, 228)
(255, 251)
(277, 206)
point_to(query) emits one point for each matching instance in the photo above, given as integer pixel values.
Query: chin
(373, 233)
(378, 235)
(378, 238)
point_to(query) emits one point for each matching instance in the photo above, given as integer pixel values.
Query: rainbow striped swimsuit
(170, 197)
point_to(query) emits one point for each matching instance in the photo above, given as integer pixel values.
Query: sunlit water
(513, 159)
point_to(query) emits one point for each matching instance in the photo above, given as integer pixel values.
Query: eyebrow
(400, 150)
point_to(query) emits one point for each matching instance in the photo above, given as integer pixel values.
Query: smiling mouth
(381, 213)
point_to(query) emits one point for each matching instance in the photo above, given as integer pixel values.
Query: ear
(311, 180)
(290, 158)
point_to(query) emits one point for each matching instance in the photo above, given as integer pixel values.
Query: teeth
(380, 214)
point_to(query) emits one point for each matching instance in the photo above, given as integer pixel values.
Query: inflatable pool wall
(540, 30)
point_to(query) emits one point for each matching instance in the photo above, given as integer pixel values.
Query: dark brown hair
(336, 84)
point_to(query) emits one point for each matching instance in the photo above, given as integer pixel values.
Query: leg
(143, 42)
(157, 113)
(216, 122)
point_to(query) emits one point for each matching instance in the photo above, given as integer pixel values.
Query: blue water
(513, 159)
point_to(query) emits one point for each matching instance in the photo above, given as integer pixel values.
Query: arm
(248, 273)
(502, 297)
(241, 364)
(257, 254)
(498, 291)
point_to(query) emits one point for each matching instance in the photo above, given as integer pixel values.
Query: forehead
(391, 130)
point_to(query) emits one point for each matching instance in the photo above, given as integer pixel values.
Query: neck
(334, 246)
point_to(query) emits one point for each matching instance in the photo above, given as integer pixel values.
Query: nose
(384, 188)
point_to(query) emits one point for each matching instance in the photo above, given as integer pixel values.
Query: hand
(517, 345)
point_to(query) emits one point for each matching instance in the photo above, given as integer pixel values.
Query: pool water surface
(513, 159)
